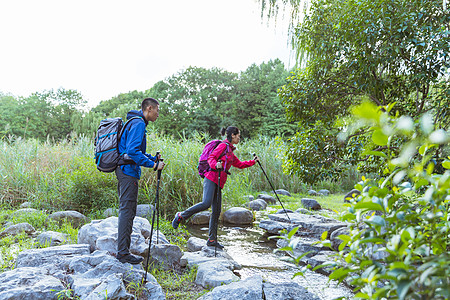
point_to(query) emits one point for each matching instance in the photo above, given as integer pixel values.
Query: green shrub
(399, 227)
(90, 189)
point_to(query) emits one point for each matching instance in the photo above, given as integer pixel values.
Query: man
(133, 143)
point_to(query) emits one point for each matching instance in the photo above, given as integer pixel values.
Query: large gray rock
(30, 283)
(238, 215)
(51, 238)
(144, 211)
(352, 194)
(208, 254)
(274, 227)
(258, 204)
(283, 192)
(89, 276)
(302, 246)
(313, 193)
(268, 198)
(201, 218)
(248, 289)
(73, 217)
(57, 255)
(324, 192)
(195, 244)
(16, 229)
(311, 204)
(334, 237)
(167, 255)
(211, 274)
(310, 225)
(102, 235)
(286, 291)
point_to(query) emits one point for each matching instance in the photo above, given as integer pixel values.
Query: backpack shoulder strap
(126, 123)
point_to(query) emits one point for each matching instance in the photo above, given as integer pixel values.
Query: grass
(178, 285)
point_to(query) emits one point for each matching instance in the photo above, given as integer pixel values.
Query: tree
(385, 51)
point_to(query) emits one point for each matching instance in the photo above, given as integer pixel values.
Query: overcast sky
(104, 48)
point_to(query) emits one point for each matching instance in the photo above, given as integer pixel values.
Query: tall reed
(62, 175)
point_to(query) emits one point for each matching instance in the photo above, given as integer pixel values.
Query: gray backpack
(107, 156)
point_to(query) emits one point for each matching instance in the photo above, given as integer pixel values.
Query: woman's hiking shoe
(177, 220)
(130, 258)
(213, 243)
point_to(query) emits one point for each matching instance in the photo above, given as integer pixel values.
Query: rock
(302, 210)
(207, 255)
(283, 192)
(144, 211)
(283, 211)
(249, 198)
(335, 241)
(286, 291)
(51, 238)
(210, 275)
(29, 283)
(18, 229)
(195, 244)
(26, 205)
(89, 276)
(258, 204)
(248, 289)
(75, 218)
(269, 199)
(238, 215)
(303, 245)
(319, 259)
(102, 235)
(311, 204)
(324, 192)
(274, 227)
(57, 255)
(110, 212)
(201, 218)
(352, 194)
(313, 193)
(310, 225)
(167, 255)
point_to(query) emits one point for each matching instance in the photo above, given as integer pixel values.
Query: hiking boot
(130, 258)
(213, 243)
(177, 220)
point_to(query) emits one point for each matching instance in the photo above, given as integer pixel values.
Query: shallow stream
(250, 247)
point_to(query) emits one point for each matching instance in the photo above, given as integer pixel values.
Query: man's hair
(147, 102)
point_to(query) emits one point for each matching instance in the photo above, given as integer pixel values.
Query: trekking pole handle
(157, 161)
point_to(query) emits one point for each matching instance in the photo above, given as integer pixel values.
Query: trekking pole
(254, 154)
(217, 203)
(155, 209)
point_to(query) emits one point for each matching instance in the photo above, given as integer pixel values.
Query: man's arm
(133, 145)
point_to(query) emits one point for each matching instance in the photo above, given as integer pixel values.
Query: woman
(222, 158)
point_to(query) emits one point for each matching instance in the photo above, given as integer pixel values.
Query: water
(250, 247)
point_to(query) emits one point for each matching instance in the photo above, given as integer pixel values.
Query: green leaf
(403, 287)
(368, 205)
(377, 220)
(361, 295)
(446, 164)
(379, 138)
(324, 235)
(339, 273)
(292, 232)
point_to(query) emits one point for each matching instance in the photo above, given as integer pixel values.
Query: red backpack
(203, 165)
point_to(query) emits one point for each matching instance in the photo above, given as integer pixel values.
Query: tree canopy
(384, 51)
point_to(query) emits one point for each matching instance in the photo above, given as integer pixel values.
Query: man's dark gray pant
(209, 199)
(127, 188)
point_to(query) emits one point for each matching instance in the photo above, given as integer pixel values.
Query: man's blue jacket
(134, 143)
